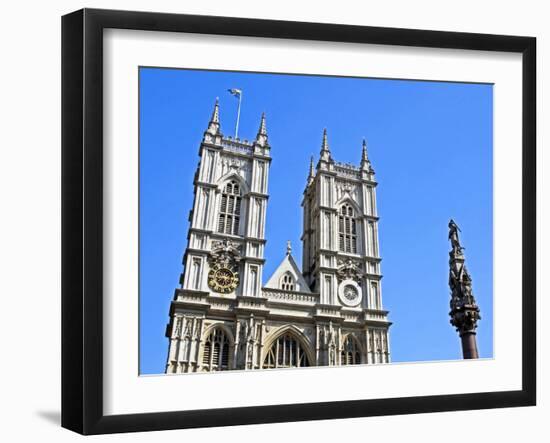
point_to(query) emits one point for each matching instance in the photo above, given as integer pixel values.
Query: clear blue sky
(430, 144)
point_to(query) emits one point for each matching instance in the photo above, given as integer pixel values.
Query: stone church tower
(340, 253)
(222, 318)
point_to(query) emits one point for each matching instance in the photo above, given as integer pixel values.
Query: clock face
(350, 293)
(223, 280)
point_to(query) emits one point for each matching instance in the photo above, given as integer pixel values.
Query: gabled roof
(288, 265)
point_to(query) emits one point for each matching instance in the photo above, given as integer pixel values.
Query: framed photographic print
(269, 221)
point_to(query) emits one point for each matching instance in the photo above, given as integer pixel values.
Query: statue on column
(247, 341)
(331, 339)
(464, 309)
(453, 236)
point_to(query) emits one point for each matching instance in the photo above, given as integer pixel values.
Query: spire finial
(216, 113)
(214, 124)
(263, 129)
(325, 140)
(325, 150)
(261, 138)
(311, 175)
(365, 162)
(288, 247)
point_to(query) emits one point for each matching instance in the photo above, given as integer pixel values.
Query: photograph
(275, 221)
(298, 220)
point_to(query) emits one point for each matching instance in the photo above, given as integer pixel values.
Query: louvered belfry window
(347, 230)
(230, 209)
(215, 356)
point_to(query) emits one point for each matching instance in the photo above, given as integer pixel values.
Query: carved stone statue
(453, 236)
(248, 331)
(348, 270)
(464, 311)
(225, 253)
(251, 336)
(330, 337)
(244, 332)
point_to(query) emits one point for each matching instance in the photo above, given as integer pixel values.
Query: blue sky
(430, 144)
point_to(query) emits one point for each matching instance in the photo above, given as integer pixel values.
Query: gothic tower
(222, 318)
(340, 250)
(225, 251)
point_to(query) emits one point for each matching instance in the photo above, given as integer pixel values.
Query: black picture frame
(82, 218)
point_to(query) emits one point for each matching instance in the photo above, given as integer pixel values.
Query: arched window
(287, 282)
(230, 209)
(286, 352)
(350, 352)
(347, 230)
(215, 356)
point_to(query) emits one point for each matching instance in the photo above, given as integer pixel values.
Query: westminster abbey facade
(328, 313)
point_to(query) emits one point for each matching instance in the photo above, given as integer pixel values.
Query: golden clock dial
(223, 280)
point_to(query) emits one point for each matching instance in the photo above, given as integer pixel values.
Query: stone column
(464, 311)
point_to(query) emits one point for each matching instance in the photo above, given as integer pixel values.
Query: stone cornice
(369, 217)
(262, 157)
(367, 181)
(257, 194)
(209, 145)
(205, 184)
(373, 276)
(200, 231)
(197, 251)
(327, 208)
(328, 251)
(376, 311)
(248, 155)
(231, 307)
(237, 238)
(255, 239)
(259, 261)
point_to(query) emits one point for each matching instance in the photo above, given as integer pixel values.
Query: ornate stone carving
(349, 269)
(328, 343)
(331, 345)
(241, 166)
(330, 336)
(453, 236)
(249, 339)
(346, 170)
(188, 328)
(177, 328)
(464, 311)
(348, 189)
(248, 334)
(225, 253)
(224, 262)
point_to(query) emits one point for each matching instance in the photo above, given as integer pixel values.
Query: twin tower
(329, 313)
